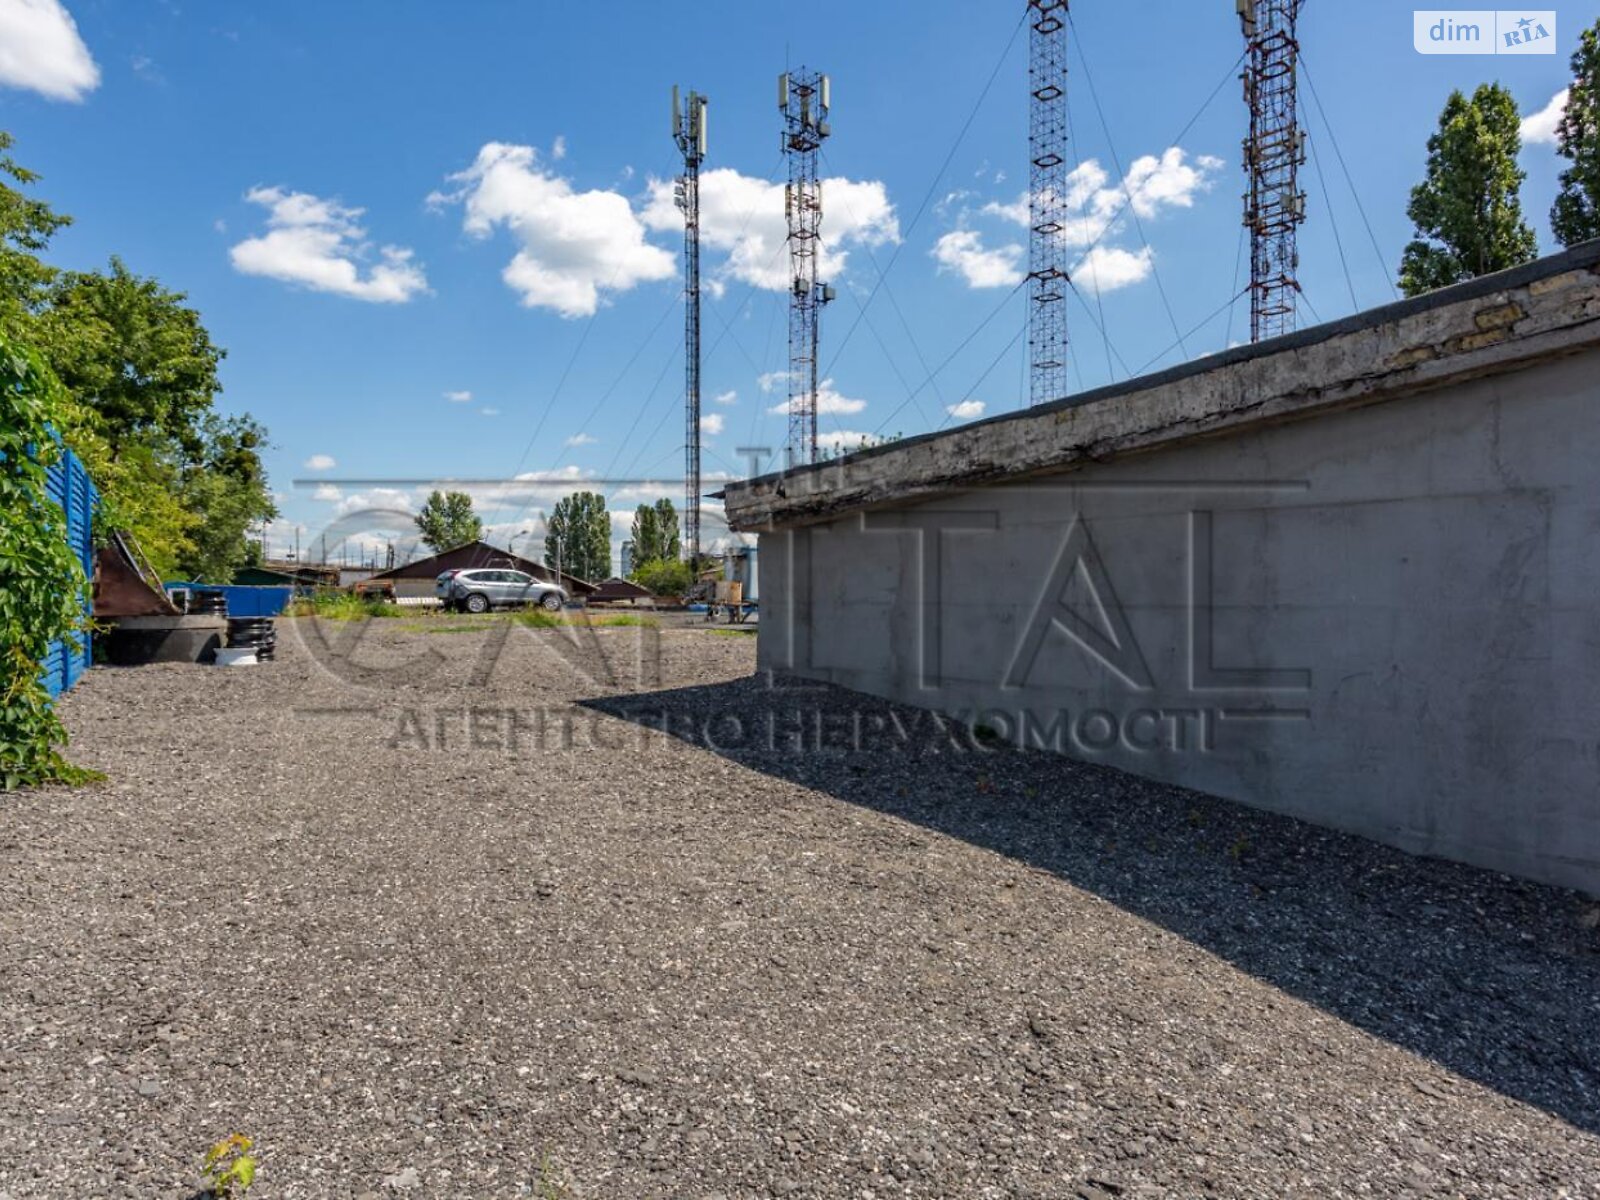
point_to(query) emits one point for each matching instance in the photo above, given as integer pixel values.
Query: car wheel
(477, 603)
(551, 602)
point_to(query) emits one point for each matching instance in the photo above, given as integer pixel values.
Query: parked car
(478, 590)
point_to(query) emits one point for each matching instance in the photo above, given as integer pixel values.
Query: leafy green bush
(664, 576)
(42, 583)
(340, 606)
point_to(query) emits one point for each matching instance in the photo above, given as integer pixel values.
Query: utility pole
(1047, 200)
(804, 98)
(689, 131)
(1274, 205)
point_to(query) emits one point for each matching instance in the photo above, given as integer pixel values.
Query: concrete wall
(1385, 619)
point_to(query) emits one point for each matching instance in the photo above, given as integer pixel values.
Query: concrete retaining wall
(1384, 617)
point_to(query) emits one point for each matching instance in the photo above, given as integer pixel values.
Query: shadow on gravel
(1494, 979)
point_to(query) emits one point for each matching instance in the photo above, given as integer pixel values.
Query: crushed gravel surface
(481, 914)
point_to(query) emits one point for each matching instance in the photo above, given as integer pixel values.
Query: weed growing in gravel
(547, 1186)
(340, 606)
(537, 618)
(230, 1167)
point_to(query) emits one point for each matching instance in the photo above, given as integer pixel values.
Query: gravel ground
(447, 914)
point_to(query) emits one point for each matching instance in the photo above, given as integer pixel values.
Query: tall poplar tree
(1575, 216)
(1467, 211)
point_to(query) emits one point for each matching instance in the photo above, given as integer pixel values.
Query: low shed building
(1351, 574)
(416, 579)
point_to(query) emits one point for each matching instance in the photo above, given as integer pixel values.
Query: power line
(589, 416)
(1238, 259)
(1111, 221)
(932, 187)
(1116, 161)
(1383, 265)
(949, 358)
(995, 362)
(1226, 306)
(1106, 337)
(1333, 221)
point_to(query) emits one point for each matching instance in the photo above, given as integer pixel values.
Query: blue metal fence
(69, 485)
(244, 600)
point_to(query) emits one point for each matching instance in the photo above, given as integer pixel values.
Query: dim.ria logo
(1484, 31)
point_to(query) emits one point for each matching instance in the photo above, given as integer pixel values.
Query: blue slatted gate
(69, 485)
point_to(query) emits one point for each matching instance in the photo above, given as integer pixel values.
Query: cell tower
(803, 98)
(689, 131)
(1047, 203)
(1274, 205)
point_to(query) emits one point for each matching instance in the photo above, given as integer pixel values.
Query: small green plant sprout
(230, 1167)
(1239, 849)
(548, 1185)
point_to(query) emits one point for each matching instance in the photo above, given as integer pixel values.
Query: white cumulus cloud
(963, 251)
(1107, 268)
(1540, 127)
(572, 247)
(711, 423)
(582, 439)
(966, 410)
(828, 401)
(1097, 208)
(320, 462)
(458, 397)
(844, 440)
(40, 50)
(728, 397)
(744, 217)
(1094, 203)
(319, 244)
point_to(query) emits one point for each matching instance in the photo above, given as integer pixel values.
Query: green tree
(1467, 212)
(26, 226)
(578, 536)
(645, 535)
(447, 521)
(134, 354)
(664, 576)
(1575, 216)
(667, 528)
(141, 376)
(227, 488)
(655, 532)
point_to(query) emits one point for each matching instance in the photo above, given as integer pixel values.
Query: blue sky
(384, 208)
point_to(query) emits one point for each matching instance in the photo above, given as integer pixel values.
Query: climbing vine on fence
(41, 580)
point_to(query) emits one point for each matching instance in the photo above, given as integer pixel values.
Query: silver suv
(477, 591)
